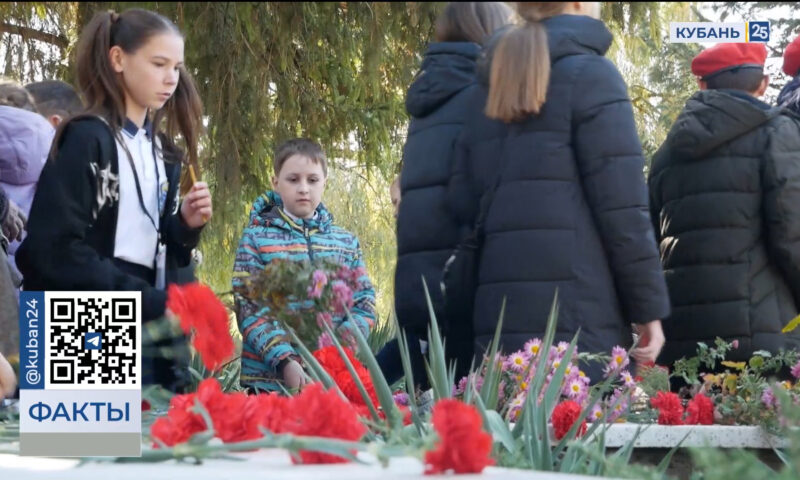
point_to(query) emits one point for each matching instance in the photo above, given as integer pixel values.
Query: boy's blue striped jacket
(270, 235)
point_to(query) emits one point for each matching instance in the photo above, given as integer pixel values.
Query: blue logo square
(758, 31)
(93, 341)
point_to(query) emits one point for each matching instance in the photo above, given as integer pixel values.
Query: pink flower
(796, 370)
(342, 297)
(532, 347)
(574, 389)
(318, 282)
(401, 398)
(324, 318)
(628, 379)
(768, 398)
(735, 343)
(462, 384)
(619, 360)
(516, 362)
(357, 274)
(324, 341)
(596, 415)
(618, 409)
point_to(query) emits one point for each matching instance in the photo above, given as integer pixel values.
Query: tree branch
(30, 33)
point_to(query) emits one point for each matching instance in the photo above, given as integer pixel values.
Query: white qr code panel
(93, 340)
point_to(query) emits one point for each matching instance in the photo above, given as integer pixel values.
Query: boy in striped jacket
(291, 223)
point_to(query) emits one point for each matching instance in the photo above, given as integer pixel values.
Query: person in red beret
(790, 93)
(725, 204)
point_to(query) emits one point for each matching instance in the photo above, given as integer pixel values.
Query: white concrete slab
(273, 464)
(721, 436)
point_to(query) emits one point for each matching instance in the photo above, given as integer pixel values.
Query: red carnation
(670, 410)
(407, 420)
(234, 416)
(200, 310)
(320, 413)
(268, 410)
(332, 362)
(464, 447)
(564, 416)
(179, 424)
(700, 411)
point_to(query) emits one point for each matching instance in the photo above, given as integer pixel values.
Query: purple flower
(516, 362)
(562, 347)
(596, 415)
(574, 389)
(401, 398)
(796, 370)
(768, 398)
(324, 318)
(556, 364)
(553, 353)
(324, 340)
(462, 384)
(342, 297)
(532, 347)
(318, 282)
(458, 388)
(628, 379)
(620, 408)
(619, 360)
(501, 393)
(516, 405)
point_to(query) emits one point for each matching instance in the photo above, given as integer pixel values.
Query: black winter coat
(427, 233)
(571, 210)
(725, 200)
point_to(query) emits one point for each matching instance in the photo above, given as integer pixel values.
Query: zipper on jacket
(308, 241)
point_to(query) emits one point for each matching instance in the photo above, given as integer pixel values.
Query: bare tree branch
(30, 33)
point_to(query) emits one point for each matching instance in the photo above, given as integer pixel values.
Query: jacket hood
(712, 118)
(25, 139)
(566, 35)
(268, 208)
(448, 68)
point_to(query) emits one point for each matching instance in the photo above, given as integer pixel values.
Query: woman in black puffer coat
(426, 232)
(570, 212)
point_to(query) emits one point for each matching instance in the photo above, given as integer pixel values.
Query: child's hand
(652, 341)
(196, 207)
(294, 375)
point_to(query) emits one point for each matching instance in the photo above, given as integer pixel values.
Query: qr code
(93, 339)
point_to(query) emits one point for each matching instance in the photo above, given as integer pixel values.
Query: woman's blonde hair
(471, 21)
(520, 69)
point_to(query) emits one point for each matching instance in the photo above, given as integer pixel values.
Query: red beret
(727, 56)
(791, 58)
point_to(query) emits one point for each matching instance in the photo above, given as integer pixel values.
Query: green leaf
(382, 389)
(312, 362)
(495, 424)
(664, 463)
(440, 381)
(352, 371)
(491, 383)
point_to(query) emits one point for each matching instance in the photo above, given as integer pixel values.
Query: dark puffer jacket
(426, 230)
(571, 210)
(725, 199)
